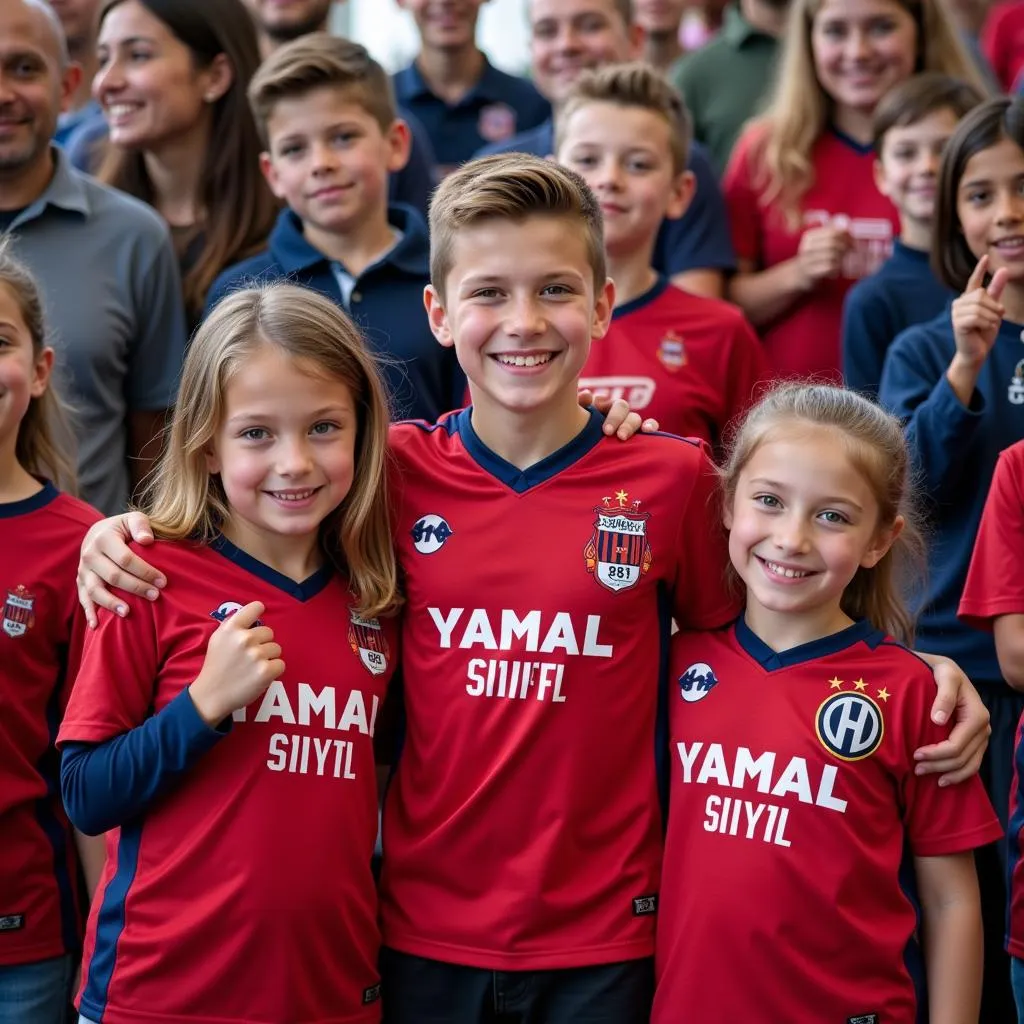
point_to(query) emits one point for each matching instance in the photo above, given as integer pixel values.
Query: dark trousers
(415, 990)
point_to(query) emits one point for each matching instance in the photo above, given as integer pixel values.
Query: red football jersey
(522, 828)
(40, 635)
(245, 893)
(806, 339)
(794, 815)
(993, 588)
(690, 362)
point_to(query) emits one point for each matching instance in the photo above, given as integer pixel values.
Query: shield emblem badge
(618, 553)
(367, 640)
(19, 613)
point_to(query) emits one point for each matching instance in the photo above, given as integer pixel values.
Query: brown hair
(512, 187)
(238, 208)
(800, 108)
(320, 61)
(920, 95)
(873, 441)
(45, 442)
(984, 127)
(184, 500)
(635, 84)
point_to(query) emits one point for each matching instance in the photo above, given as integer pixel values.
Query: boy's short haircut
(513, 187)
(635, 84)
(318, 61)
(918, 96)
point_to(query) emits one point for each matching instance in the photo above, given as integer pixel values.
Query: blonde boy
(689, 361)
(327, 115)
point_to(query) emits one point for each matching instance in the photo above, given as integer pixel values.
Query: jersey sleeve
(939, 820)
(747, 368)
(866, 335)
(995, 585)
(742, 200)
(114, 688)
(703, 598)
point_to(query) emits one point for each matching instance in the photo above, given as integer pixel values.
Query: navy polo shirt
(386, 301)
(699, 240)
(497, 107)
(901, 293)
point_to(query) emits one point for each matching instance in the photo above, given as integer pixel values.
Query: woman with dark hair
(172, 83)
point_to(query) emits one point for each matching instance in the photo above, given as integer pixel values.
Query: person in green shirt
(724, 82)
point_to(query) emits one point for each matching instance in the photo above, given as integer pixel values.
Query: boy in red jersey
(689, 361)
(542, 565)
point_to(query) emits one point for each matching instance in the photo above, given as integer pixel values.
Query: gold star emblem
(836, 683)
(883, 694)
(622, 497)
(859, 684)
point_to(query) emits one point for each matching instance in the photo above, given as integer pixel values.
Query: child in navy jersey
(793, 787)
(227, 746)
(911, 126)
(689, 361)
(957, 382)
(41, 529)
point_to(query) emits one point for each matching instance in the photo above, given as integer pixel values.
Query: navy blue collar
(655, 291)
(39, 500)
(521, 480)
(771, 660)
(908, 253)
(863, 148)
(288, 245)
(304, 591)
(489, 87)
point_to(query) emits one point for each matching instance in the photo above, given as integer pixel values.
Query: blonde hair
(635, 84)
(799, 109)
(320, 61)
(873, 442)
(185, 501)
(511, 187)
(45, 443)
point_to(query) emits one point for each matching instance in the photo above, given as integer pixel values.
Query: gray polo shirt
(114, 309)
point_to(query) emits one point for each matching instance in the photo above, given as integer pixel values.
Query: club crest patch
(697, 682)
(497, 122)
(19, 611)
(1015, 392)
(367, 640)
(850, 724)
(618, 553)
(672, 352)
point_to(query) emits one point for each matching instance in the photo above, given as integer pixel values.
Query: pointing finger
(977, 278)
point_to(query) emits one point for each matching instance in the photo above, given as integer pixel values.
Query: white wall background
(390, 35)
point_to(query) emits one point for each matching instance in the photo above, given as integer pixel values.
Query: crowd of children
(576, 561)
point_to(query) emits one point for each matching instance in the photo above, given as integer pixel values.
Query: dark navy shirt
(901, 293)
(955, 448)
(699, 240)
(386, 302)
(497, 107)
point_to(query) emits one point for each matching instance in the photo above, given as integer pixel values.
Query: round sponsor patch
(697, 682)
(850, 726)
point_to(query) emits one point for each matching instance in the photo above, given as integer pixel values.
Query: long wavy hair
(237, 207)
(799, 110)
(185, 501)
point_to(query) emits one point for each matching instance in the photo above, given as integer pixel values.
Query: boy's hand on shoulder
(242, 660)
(619, 419)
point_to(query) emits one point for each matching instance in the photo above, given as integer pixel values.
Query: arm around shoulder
(1009, 637)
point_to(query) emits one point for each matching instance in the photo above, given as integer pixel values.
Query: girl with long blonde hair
(807, 218)
(223, 733)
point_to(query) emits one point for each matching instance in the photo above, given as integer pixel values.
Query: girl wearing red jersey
(802, 839)
(221, 735)
(807, 219)
(40, 532)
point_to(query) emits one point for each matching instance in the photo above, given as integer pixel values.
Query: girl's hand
(619, 419)
(978, 314)
(242, 660)
(107, 559)
(821, 253)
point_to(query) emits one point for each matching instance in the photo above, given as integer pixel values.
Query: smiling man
(103, 260)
